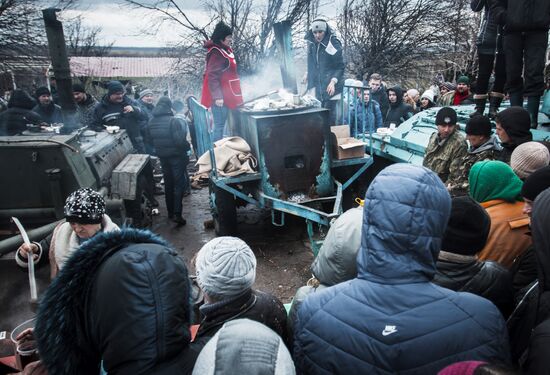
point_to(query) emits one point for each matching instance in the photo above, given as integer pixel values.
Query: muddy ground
(283, 255)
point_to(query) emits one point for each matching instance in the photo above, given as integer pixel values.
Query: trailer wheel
(138, 211)
(224, 211)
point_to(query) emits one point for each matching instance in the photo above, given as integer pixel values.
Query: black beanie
(536, 183)
(446, 116)
(517, 124)
(468, 227)
(78, 87)
(220, 32)
(42, 91)
(113, 87)
(479, 125)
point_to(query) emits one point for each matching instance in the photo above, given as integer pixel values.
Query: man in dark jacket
(50, 112)
(325, 66)
(168, 136)
(146, 101)
(116, 108)
(122, 299)
(226, 270)
(391, 318)
(526, 24)
(378, 93)
(460, 96)
(85, 105)
(14, 120)
(398, 111)
(457, 266)
(512, 128)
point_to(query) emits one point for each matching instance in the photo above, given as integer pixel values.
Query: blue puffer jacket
(391, 318)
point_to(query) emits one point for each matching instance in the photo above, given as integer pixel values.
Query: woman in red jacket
(221, 88)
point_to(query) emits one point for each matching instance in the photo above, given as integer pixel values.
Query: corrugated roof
(109, 67)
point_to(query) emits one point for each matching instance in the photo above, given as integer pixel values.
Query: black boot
(479, 101)
(516, 99)
(533, 103)
(495, 98)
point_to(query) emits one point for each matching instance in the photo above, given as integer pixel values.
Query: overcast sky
(122, 25)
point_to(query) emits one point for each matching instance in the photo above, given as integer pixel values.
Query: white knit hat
(225, 267)
(428, 94)
(528, 157)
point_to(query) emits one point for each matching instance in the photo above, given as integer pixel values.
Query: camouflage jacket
(448, 99)
(444, 157)
(458, 184)
(85, 110)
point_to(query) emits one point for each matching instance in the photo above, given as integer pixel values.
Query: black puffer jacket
(398, 112)
(486, 279)
(167, 133)
(130, 121)
(487, 37)
(123, 298)
(322, 66)
(14, 120)
(522, 15)
(539, 351)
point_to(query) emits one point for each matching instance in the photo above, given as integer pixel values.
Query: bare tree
(84, 41)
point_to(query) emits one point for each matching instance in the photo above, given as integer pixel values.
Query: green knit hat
(463, 79)
(491, 179)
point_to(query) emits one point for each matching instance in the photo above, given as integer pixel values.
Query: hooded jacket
(398, 112)
(515, 121)
(14, 120)
(167, 133)
(123, 298)
(391, 318)
(324, 62)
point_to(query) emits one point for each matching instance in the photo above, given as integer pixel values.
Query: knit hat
(463, 79)
(536, 183)
(479, 125)
(220, 32)
(446, 116)
(491, 179)
(528, 157)
(461, 368)
(78, 87)
(449, 86)
(84, 206)
(517, 124)
(428, 94)
(412, 93)
(42, 91)
(248, 347)
(468, 227)
(114, 87)
(145, 92)
(226, 267)
(319, 25)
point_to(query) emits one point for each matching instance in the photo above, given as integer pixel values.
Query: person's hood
(540, 218)
(515, 121)
(122, 297)
(328, 34)
(492, 179)
(405, 215)
(491, 144)
(21, 99)
(399, 92)
(163, 107)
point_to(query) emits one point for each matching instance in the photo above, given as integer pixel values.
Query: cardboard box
(344, 146)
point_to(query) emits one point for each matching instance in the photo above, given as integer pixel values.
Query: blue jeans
(176, 182)
(220, 118)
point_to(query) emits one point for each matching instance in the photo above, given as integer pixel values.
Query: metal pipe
(12, 243)
(283, 39)
(28, 213)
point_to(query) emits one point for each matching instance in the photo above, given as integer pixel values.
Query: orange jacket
(508, 235)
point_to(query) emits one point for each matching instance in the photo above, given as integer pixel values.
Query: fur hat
(42, 91)
(84, 206)
(536, 183)
(319, 25)
(446, 116)
(468, 227)
(114, 87)
(220, 32)
(528, 157)
(78, 87)
(225, 267)
(479, 125)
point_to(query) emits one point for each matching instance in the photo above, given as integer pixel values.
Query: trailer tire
(224, 211)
